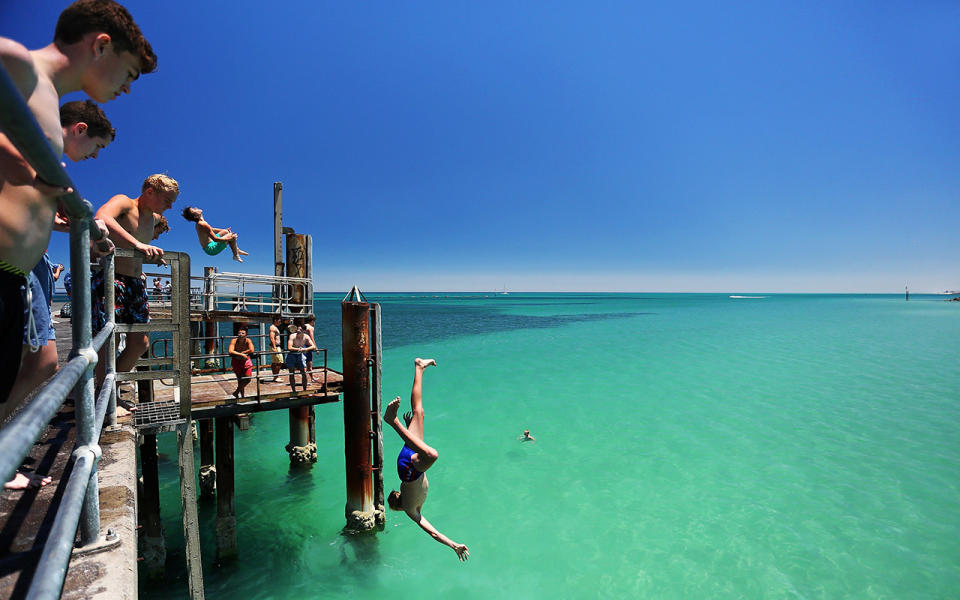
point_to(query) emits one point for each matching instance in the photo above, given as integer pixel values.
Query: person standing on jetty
(241, 348)
(298, 344)
(213, 239)
(308, 325)
(276, 356)
(98, 48)
(86, 131)
(131, 224)
(414, 460)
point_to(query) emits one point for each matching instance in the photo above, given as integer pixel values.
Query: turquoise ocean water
(688, 446)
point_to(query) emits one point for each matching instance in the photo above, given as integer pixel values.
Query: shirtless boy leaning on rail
(131, 224)
(86, 131)
(97, 48)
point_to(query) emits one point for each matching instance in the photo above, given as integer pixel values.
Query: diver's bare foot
(423, 363)
(242, 253)
(22, 481)
(390, 417)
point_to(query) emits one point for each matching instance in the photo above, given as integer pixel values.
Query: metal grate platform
(160, 416)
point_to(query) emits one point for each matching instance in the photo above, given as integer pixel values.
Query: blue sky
(694, 146)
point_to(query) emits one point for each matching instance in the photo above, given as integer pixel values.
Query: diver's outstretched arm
(461, 549)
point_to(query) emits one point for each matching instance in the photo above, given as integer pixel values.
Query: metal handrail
(240, 290)
(81, 505)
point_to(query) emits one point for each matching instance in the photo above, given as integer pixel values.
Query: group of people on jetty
(98, 48)
(299, 358)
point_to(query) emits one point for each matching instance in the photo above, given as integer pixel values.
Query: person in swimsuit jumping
(414, 459)
(213, 239)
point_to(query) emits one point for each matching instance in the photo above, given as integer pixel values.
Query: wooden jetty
(184, 385)
(257, 300)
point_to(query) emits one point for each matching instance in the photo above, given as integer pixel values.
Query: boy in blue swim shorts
(213, 239)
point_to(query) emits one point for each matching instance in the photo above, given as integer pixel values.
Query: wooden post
(277, 235)
(144, 386)
(300, 447)
(356, 411)
(297, 266)
(151, 542)
(226, 519)
(196, 344)
(188, 508)
(208, 470)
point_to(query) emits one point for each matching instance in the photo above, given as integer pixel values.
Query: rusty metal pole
(355, 313)
(376, 375)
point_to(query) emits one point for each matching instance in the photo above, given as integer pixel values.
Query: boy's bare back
(23, 203)
(203, 232)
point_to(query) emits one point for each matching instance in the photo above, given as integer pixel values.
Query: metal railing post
(376, 377)
(181, 308)
(109, 275)
(83, 346)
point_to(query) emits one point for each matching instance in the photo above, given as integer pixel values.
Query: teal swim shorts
(214, 247)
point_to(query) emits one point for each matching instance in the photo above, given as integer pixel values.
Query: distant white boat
(504, 292)
(754, 297)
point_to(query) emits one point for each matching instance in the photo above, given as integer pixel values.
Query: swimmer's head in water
(394, 500)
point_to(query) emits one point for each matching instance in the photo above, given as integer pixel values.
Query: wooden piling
(208, 469)
(226, 516)
(188, 510)
(151, 537)
(300, 448)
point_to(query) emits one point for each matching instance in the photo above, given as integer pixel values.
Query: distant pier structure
(187, 378)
